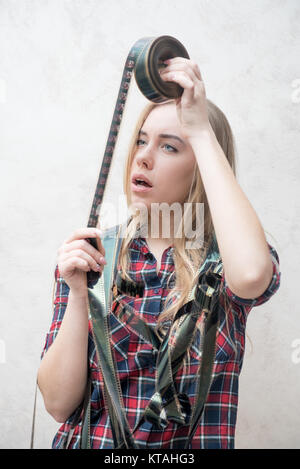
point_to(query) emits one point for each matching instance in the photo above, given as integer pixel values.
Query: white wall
(61, 65)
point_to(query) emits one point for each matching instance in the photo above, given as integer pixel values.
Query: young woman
(184, 150)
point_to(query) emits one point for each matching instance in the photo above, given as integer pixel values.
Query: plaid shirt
(136, 361)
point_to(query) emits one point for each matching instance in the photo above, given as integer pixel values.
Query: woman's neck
(160, 233)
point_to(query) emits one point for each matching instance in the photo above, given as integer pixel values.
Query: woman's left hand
(191, 106)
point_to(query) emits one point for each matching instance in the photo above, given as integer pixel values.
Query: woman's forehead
(163, 118)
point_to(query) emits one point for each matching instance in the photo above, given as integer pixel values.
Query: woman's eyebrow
(142, 132)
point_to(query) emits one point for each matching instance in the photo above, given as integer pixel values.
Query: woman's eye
(170, 147)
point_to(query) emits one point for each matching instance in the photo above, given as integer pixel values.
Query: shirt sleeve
(60, 304)
(267, 294)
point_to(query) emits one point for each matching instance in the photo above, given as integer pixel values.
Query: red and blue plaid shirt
(136, 361)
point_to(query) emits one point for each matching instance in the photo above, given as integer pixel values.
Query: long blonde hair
(186, 262)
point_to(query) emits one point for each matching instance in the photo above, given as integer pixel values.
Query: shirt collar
(141, 244)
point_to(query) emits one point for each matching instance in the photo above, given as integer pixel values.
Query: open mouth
(140, 185)
(140, 182)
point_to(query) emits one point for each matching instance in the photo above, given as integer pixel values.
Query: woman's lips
(140, 188)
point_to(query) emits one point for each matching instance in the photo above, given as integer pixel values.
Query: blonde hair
(186, 262)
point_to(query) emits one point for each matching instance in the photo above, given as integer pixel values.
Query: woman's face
(164, 157)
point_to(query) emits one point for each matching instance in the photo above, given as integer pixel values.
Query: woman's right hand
(77, 256)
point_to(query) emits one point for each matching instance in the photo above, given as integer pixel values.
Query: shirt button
(156, 290)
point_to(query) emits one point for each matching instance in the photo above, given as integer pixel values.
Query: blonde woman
(182, 151)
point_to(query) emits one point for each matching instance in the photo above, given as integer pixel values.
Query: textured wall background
(60, 69)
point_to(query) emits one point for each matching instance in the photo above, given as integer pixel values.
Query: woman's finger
(83, 245)
(175, 68)
(185, 82)
(182, 79)
(83, 233)
(74, 263)
(198, 73)
(95, 262)
(180, 63)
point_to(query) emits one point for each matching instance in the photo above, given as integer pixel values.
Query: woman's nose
(145, 157)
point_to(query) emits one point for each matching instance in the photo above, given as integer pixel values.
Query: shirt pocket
(224, 348)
